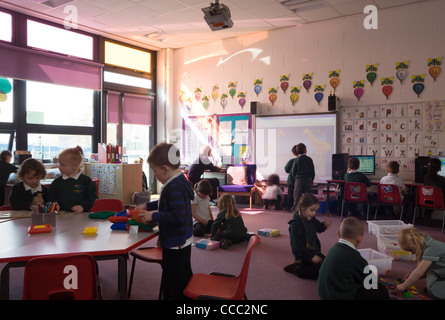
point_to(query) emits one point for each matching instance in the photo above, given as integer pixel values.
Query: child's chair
(388, 194)
(107, 205)
(5, 208)
(355, 192)
(430, 198)
(65, 277)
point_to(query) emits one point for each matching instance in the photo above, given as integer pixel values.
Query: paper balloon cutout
(215, 92)
(232, 88)
(434, 64)
(242, 100)
(307, 83)
(272, 94)
(181, 96)
(205, 102)
(257, 86)
(371, 76)
(418, 86)
(358, 91)
(294, 94)
(5, 86)
(319, 93)
(334, 79)
(223, 101)
(401, 72)
(198, 94)
(284, 82)
(387, 88)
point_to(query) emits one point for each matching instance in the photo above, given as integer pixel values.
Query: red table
(18, 246)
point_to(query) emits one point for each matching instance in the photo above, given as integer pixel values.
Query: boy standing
(342, 274)
(303, 171)
(174, 216)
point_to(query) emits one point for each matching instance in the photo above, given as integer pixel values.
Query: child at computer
(228, 226)
(29, 191)
(72, 190)
(430, 254)
(353, 175)
(305, 245)
(303, 171)
(342, 274)
(174, 216)
(6, 168)
(392, 168)
(273, 194)
(201, 212)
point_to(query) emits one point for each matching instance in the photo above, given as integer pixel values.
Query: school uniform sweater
(21, 198)
(356, 176)
(233, 228)
(342, 273)
(174, 214)
(80, 190)
(303, 167)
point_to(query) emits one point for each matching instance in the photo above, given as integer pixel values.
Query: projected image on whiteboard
(275, 136)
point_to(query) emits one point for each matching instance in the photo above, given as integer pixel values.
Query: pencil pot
(43, 218)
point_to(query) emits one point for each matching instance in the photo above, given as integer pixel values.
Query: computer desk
(411, 185)
(18, 247)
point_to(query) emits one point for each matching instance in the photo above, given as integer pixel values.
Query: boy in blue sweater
(174, 216)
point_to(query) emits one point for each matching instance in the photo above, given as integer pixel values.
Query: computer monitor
(442, 166)
(367, 164)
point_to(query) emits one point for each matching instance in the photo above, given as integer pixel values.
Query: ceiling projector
(217, 16)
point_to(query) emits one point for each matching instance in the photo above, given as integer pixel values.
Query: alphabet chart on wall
(393, 131)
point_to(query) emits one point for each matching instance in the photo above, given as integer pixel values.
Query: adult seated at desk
(203, 163)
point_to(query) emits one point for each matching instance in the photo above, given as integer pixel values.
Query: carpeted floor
(267, 280)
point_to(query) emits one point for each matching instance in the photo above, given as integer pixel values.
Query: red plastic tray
(40, 228)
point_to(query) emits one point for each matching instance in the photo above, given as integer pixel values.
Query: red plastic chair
(107, 205)
(153, 255)
(388, 194)
(5, 208)
(64, 277)
(431, 198)
(355, 192)
(219, 285)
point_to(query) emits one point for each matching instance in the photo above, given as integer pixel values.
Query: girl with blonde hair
(430, 254)
(72, 190)
(228, 226)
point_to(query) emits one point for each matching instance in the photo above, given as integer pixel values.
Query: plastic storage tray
(388, 244)
(391, 227)
(207, 244)
(381, 261)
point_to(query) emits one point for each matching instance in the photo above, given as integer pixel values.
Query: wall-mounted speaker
(339, 165)
(332, 102)
(253, 107)
(420, 168)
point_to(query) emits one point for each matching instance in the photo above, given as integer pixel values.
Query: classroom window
(118, 78)
(126, 57)
(5, 27)
(59, 40)
(6, 100)
(51, 104)
(4, 141)
(48, 146)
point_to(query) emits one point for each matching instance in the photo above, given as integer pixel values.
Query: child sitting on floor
(273, 195)
(228, 226)
(201, 212)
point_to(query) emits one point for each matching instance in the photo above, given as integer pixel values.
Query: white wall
(413, 32)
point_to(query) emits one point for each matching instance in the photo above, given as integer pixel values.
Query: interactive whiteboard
(276, 135)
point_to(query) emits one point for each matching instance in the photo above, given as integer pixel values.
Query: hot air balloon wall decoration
(215, 92)
(5, 89)
(333, 75)
(294, 94)
(273, 94)
(232, 88)
(358, 88)
(198, 92)
(182, 96)
(307, 81)
(188, 103)
(242, 98)
(401, 72)
(205, 101)
(223, 100)
(257, 83)
(418, 85)
(371, 73)
(284, 84)
(387, 86)
(434, 69)
(318, 89)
